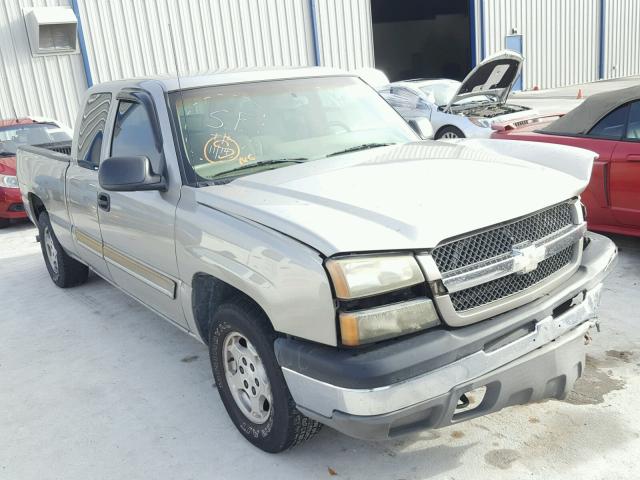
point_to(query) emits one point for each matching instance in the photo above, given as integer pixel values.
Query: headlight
(381, 283)
(389, 321)
(480, 122)
(355, 277)
(9, 181)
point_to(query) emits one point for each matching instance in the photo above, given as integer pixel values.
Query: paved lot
(93, 386)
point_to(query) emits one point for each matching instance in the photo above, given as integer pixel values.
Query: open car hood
(494, 76)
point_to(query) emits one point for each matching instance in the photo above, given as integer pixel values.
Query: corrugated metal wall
(49, 86)
(622, 38)
(345, 33)
(128, 38)
(221, 34)
(560, 38)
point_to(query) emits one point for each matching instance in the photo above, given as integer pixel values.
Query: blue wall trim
(483, 48)
(83, 46)
(314, 31)
(472, 32)
(603, 12)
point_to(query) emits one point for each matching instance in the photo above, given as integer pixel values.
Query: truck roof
(171, 82)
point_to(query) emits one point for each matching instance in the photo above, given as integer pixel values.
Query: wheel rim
(449, 135)
(247, 378)
(50, 248)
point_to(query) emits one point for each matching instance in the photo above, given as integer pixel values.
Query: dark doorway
(422, 38)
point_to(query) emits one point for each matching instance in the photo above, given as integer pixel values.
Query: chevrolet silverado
(341, 270)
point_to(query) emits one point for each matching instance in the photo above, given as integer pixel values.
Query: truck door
(82, 181)
(138, 227)
(625, 172)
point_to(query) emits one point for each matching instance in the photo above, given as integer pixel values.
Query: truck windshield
(226, 130)
(14, 136)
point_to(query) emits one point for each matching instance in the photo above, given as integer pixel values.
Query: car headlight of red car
(9, 181)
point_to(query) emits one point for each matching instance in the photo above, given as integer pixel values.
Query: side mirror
(129, 174)
(422, 127)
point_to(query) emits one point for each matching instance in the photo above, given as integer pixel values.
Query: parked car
(13, 134)
(341, 270)
(609, 124)
(462, 109)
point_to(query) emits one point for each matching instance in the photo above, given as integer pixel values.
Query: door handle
(633, 157)
(104, 201)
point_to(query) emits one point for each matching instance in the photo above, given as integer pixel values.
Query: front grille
(16, 207)
(501, 240)
(511, 284)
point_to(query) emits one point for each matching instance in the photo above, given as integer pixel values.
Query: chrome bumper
(322, 400)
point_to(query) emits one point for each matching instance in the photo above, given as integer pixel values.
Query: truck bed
(41, 172)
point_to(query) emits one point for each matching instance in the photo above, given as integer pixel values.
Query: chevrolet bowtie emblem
(526, 259)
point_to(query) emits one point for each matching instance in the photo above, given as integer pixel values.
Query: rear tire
(4, 222)
(64, 271)
(241, 350)
(449, 132)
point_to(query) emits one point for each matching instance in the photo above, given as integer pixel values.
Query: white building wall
(622, 38)
(345, 33)
(560, 38)
(49, 85)
(128, 38)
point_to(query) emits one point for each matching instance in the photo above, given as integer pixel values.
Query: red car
(608, 124)
(13, 134)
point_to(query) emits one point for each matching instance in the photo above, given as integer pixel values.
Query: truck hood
(402, 197)
(493, 77)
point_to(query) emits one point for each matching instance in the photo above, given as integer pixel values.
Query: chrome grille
(511, 284)
(501, 240)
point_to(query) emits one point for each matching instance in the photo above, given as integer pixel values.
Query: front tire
(4, 222)
(64, 271)
(449, 132)
(250, 381)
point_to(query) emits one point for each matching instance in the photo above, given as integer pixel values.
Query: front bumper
(540, 356)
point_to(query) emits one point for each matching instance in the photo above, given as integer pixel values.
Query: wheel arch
(448, 126)
(208, 293)
(36, 205)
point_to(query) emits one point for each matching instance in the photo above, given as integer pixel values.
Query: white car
(462, 109)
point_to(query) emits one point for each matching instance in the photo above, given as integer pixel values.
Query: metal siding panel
(560, 38)
(345, 33)
(49, 86)
(132, 37)
(622, 38)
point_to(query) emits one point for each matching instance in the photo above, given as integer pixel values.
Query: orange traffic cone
(580, 95)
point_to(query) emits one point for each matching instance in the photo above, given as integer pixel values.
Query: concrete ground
(94, 386)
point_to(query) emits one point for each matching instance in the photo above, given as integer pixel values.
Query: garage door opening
(422, 38)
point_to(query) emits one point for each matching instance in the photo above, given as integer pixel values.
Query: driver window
(133, 135)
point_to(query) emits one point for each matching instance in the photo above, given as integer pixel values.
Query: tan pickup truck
(341, 270)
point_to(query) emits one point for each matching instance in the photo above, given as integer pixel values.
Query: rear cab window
(92, 125)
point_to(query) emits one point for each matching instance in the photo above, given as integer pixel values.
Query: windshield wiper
(364, 146)
(258, 164)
